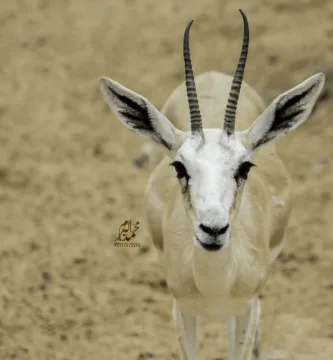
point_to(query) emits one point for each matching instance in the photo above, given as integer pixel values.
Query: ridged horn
(230, 113)
(195, 116)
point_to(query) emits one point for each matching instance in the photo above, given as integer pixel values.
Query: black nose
(214, 231)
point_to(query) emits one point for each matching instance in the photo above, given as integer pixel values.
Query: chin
(214, 247)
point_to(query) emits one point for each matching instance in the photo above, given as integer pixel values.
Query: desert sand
(68, 181)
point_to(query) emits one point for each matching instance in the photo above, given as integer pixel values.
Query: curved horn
(196, 123)
(230, 113)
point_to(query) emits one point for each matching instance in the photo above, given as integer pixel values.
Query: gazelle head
(212, 165)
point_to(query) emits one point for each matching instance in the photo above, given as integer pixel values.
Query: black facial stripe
(243, 171)
(186, 191)
(139, 116)
(180, 170)
(183, 179)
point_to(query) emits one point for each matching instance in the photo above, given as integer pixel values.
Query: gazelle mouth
(209, 247)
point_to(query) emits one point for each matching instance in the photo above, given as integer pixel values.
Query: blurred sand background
(67, 179)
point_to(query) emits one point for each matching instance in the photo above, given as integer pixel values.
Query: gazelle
(216, 221)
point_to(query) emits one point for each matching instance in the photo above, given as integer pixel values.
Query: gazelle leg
(186, 326)
(244, 333)
(256, 347)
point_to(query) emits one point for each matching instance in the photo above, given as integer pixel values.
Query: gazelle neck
(213, 271)
(222, 272)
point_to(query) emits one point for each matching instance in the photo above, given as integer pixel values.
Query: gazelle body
(217, 225)
(224, 284)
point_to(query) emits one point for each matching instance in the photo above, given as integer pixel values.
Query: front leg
(244, 333)
(186, 327)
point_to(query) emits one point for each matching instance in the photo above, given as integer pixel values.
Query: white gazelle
(217, 220)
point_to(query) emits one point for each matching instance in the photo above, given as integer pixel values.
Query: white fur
(225, 283)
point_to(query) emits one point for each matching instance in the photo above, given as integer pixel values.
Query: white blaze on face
(211, 166)
(213, 186)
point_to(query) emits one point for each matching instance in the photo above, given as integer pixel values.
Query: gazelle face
(211, 174)
(212, 165)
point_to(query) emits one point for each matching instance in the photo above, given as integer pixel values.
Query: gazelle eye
(180, 169)
(243, 170)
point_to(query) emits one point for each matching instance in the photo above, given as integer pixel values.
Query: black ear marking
(286, 114)
(288, 110)
(137, 115)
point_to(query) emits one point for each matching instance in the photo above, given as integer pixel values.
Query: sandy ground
(67, 179)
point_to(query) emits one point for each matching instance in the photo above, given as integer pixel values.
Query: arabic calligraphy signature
(126, 232)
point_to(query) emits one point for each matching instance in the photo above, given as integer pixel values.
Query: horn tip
(242, 12)
(190, 24)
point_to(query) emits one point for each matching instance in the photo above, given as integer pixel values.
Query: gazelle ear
(286, 112)
(139, 115)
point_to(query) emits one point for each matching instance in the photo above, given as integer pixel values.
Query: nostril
(224, 229)
(208, 230)
(214, 231)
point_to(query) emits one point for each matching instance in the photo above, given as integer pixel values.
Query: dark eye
(243, 170)
(180, 169)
